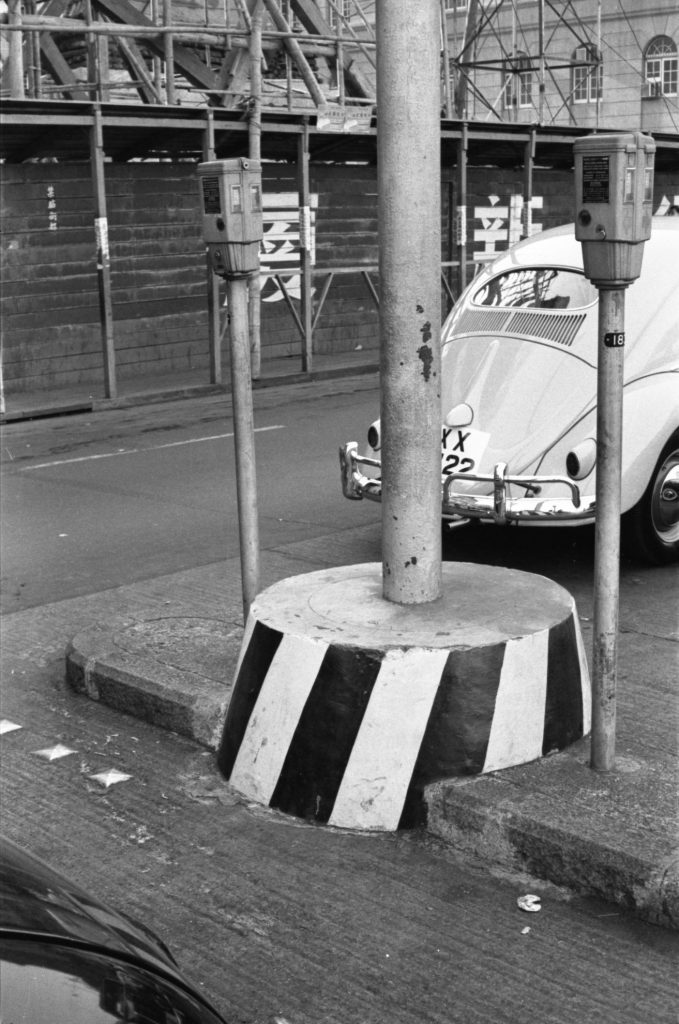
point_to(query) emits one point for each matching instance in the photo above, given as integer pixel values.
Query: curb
(591, 849)
(174, 689)
(69, 407)
(553, 819)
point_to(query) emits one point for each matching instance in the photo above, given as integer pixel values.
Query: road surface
(273, 917)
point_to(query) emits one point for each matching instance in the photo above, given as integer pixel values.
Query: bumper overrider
(497, 506)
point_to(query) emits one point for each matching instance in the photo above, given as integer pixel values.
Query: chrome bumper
(498, 507)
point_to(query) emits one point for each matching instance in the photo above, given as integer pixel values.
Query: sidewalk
(166, 651)
(147, 388)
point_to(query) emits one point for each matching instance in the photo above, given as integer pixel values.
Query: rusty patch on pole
(427, 356)
(424, 351)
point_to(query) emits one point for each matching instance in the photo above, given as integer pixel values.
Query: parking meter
(231, 202)
(614, 205)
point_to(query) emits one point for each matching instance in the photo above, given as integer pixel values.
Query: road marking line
(140, 451)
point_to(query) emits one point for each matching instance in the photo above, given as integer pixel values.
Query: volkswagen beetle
(519, 394)
(65, 958)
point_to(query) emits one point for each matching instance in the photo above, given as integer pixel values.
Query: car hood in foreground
(68, 959)
(36, 901)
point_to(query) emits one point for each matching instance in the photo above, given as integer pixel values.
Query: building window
(455, 5)
(518, 82)
(587, 75)
(660, 67)
(339, 9)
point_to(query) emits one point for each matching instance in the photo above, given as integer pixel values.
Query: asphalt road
(271, 916)
(98, 501)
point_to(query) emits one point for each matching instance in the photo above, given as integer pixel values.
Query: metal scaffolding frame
(512, 40)
(316, 55)
(174, 53)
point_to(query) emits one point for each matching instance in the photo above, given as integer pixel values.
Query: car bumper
(498, 506)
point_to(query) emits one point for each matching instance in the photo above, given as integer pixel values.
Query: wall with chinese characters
(50, 300)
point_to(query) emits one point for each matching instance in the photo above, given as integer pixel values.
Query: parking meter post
(244, 438)
(409, 191)
(231, 203)
(607, 528)
(613, 216)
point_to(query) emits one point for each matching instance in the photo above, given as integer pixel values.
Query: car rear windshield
(537, 288)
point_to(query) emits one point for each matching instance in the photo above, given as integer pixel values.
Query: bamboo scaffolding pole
(317, 45)
(291, 44)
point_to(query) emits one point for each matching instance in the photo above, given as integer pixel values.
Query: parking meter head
(613, 204)
(231, 205)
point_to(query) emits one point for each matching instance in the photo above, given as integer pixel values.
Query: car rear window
(537, 288)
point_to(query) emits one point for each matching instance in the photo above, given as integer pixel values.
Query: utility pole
(409, 212)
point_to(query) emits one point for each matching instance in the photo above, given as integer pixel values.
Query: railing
(327, 276)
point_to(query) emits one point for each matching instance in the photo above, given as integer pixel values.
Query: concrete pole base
(345, 705)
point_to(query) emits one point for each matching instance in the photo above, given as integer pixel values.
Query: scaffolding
(502, 48)
(501, 60)
(174, 52)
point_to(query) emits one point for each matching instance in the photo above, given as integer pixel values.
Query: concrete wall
(49, 307)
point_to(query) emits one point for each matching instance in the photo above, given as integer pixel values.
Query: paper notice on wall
(344, 119)
(101, 233)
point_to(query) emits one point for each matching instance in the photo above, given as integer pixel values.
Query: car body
(65, 958)
(519, 395)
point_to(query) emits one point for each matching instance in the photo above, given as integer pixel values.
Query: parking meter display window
(236, 199)
(648, 178)
(211, 201)
(595, 178)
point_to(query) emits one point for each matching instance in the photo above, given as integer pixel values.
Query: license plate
(462, 449)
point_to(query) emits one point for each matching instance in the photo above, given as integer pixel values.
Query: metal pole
(461, 219)
(541, 62)
(168, 43)
(445, 53)
(409, 212)
(306, 309)
(103, 254)
(255, 152)
(607, 529)
(244, 438)
(528, 164)
(213, 312)
(16, 52)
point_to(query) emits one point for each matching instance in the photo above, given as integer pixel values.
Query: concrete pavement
(166, 651)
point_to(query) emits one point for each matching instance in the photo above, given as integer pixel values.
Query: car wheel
(650, 530)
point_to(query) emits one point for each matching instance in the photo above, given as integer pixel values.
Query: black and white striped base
(345, 705)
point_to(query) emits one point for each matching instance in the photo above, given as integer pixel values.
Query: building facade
(589, 63)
